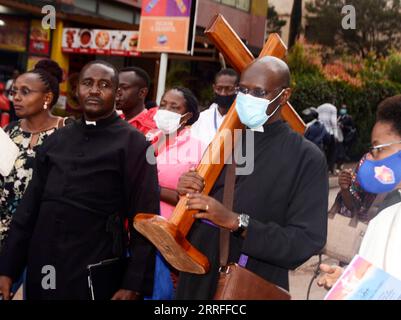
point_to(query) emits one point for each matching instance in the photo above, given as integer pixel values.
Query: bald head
(274, 70)
(269, 78)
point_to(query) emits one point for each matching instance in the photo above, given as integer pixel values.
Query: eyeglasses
(258, 93)
(375, 150)
(23, 91)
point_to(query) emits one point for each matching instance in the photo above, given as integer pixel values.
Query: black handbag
(105, 278)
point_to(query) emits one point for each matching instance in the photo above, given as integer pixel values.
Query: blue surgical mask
(382, 175)
(252, 110)
(343, 111)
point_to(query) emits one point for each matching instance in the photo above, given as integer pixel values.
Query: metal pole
(161, 84)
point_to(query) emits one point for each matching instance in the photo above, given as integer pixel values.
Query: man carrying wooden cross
(279, 216)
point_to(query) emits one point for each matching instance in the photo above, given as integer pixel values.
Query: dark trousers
(331, 153)
(340, 154)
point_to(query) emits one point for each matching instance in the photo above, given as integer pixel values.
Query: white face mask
(167, 121)
(252, 110)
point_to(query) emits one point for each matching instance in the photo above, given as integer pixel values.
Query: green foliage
(374, 68)
(393, 67)
(378, 25)
(179, 74)
(323, 20)
(313, 84)
(363, 104)
(205, 96)
(311, 90)
(183, 74)
(274, 23)
(301, 62)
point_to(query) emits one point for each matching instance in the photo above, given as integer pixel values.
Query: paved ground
(301, 277)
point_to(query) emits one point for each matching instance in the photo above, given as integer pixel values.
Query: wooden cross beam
(169, 235)
(239, 57)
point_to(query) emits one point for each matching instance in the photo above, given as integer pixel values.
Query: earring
(45, 105)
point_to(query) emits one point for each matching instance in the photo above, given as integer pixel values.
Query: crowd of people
(333, 132)
(77, 184)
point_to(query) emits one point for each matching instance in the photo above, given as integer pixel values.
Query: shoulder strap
(372, 211)
(228, 199)
(374, 207)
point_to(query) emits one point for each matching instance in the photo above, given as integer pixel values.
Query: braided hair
(191, 103)
(51, 75)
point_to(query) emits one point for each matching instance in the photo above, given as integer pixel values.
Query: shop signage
(165, 26)
(96, 41)
(13, 33)
(39, 39)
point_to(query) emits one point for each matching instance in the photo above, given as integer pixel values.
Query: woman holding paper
(380, 173)
(34, 94)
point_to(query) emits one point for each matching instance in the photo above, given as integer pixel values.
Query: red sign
(95, 41)
(39, 39)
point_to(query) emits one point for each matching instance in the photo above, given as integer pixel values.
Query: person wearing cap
(315, 130)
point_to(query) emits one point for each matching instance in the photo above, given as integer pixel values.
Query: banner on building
(39, 39)
(13, 33)
(96, 41)
(167, 26)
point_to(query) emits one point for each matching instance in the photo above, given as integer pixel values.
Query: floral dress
(13, 186)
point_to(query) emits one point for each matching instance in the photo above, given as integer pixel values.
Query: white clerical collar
(259, 129)
(90, 123)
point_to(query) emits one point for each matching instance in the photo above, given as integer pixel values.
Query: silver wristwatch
(243, 222)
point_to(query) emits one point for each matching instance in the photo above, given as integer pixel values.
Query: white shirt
(381, 244)
(328, 116)
(8, 155)
(205, 128)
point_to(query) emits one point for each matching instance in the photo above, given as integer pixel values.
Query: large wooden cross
(169, 236)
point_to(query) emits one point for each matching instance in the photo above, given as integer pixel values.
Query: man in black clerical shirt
(279, 216)
(88, 179)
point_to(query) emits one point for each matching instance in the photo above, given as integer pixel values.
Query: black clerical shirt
(286, 198)
(86, 177)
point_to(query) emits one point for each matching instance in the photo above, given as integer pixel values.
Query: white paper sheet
(8, 153)
(363, 281)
